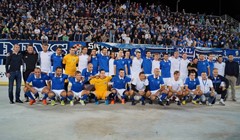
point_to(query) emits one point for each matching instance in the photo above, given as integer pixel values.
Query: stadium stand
(94, 21)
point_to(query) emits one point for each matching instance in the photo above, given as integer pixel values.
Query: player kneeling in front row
(119, 88)
(220, 85)
(139, 88)
(100, 83)
(156, 88)
(38, 81)
(76, 89)
(192, 88)
(57, 86)
(207, 90)
(176, 88)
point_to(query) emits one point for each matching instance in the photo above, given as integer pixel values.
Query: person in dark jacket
(220, 85)
(30, 58)
(231, 73)
(13, 72)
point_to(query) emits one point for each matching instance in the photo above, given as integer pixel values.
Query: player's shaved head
(157, 72)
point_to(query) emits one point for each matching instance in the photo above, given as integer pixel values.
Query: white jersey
(220, 67)
(45, 61)
(183, 68)
(155, 64)
(111, 66)
(83, 62)
(175, 64)
(140, 85)
(176, 85)
(205, 85)
(136, 66)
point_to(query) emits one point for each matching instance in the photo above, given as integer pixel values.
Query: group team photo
(96, 76)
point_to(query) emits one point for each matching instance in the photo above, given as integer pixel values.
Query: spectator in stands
(111, 22)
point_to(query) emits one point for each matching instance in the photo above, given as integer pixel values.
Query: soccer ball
(137, 97)
(2, 74)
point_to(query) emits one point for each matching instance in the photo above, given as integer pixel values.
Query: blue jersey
(129, 64)
(154, 83)
(56, 61)
(120, 83)
(57, 82)
(202, 66)
(120, 64)
(103, 62)
(209, 44)
(165, 68)
(38, 82)
(211, 65)
(94, 61)
(76, 86)
(192, 84)
(86, 74)
(147, 65)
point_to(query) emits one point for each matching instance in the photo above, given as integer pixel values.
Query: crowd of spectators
(112, 21)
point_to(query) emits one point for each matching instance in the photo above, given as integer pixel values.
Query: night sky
(230, 7)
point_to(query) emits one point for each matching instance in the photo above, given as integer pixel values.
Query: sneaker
(133, 103)
(62, 103)
(200, 103)
(11, 102)
(31, 102)
(106, 102)
(209, 104)
(44, 102)
(234, 100)
(112, 102)
(184, 102)
(178, 103)
(194, 102)
(168, 103)
(123, 101)
(150, 102)
(26, 99)
(221, 102)
(53, 102)
(160, 103)
(82, 102)
(72, 103)
(97, 102)
(19, 101)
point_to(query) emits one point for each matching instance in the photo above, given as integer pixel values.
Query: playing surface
(113, 122)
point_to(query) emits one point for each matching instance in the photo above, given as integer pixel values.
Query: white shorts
(39, 89)
(154, 92)
(77, 94)
(58, 92)
(120, 91)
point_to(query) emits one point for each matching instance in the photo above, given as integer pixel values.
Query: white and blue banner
(6, 46)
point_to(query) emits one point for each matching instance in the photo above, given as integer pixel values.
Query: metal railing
(233, 22)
